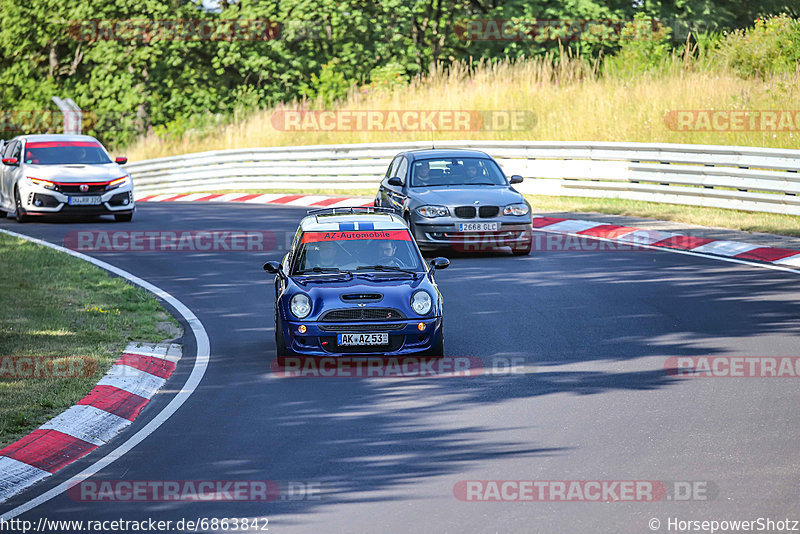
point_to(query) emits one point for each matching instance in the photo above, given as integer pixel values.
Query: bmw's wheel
(524, 251)
(123, 217)
(19, 211)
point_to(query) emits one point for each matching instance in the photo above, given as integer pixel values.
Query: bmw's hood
(467, 195)
(76, 173)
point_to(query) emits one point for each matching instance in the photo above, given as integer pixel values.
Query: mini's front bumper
(405, 337)
(39, 200)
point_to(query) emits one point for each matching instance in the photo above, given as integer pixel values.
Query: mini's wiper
(322, 270)
(384, 268)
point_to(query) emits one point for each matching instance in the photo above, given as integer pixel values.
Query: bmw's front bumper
(442, 232)
(320, 339)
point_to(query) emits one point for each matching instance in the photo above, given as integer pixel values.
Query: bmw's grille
(362, 314)
(465, 212)
(360, 327)
(488, 211)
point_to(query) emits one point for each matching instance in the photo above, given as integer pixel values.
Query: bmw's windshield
(65, 153)
(456, 171)
(344, 251)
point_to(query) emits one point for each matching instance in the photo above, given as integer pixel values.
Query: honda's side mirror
(14, 162)
(273, 267)
(516, 179)
(121, 160)
(394, 180)
(440, 263)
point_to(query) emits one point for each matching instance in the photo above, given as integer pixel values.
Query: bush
(771, 46)
(644, 46)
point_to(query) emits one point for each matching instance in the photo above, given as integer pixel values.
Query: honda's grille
(488, 211)
(76, 188)
(362, 314)
(465, 212)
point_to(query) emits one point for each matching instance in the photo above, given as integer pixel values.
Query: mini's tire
(437, 350)
(280, 339)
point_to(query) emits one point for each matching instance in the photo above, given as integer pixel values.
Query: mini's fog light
(302, 329)
(421, 327)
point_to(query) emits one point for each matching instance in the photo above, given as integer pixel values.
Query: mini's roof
(336, 222)
(433, 153)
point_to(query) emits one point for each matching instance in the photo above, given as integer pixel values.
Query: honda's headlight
(119, 182)
(516, 209)
(300, 305)
(433, 211)
(47, 184)
(421, 302)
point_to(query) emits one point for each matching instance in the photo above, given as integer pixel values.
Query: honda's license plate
(478, 227)
(362, 339)
(84, 201)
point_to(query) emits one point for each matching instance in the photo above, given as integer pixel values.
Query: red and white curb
(785, 257)
(110, 406)
(315, 201)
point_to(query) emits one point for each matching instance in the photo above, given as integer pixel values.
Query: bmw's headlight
(300, 305)
(421, 302)
(433, 211)
(516, 209)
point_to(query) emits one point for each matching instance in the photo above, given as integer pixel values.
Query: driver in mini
(386, 251)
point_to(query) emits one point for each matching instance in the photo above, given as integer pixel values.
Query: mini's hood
(76, 173)
(467, 195)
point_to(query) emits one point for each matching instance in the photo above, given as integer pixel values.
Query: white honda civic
(60, 174)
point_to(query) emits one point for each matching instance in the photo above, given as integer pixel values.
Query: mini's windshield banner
(395, 235)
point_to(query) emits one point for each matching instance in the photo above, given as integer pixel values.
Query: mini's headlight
(516, 209)
(47, 184)
(433, 211)
(113, 184)
(421, 302)
(300, 305)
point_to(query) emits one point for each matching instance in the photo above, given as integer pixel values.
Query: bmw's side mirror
(516, 179)
(440, 263)
(394, 180)
(273, 267)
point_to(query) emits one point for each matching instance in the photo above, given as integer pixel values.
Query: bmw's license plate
(478, 227)
(84, 201)
(362, 339)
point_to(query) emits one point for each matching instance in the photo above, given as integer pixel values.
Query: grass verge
(771, 223)
(57, 306)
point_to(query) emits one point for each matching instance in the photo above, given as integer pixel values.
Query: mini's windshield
(65, 153)
(456, 171)
(378, 250)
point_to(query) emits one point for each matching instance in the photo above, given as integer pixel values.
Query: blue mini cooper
(355, 282)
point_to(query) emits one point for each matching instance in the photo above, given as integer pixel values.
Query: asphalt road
(593, 401)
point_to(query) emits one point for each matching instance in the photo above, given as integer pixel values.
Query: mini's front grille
(76, 188)
(465, 212)
(360, 327)
(362, 314)
(362, 296)
(488, 211)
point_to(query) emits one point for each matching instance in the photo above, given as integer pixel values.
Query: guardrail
(745, 178)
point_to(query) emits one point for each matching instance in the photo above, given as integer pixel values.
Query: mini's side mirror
(11, 161)
(121, 160)
(272, 267)
(394, 180)
(440, 263)
(516, 179)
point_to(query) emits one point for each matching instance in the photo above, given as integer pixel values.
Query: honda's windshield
(374, 250)
(65, 153)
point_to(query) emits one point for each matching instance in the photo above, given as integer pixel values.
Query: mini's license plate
(362, 339)
(84, 201)
(478, 227)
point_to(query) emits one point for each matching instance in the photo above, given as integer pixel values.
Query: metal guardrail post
(72, 115)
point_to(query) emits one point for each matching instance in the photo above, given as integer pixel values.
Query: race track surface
(592, 401)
